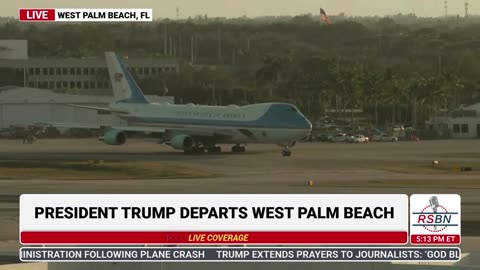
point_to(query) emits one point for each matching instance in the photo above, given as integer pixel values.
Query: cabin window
(456, 128)
(293, 109)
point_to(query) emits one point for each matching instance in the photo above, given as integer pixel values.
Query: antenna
(165, 37)
(219, 44)
(446, 8)
(178, 13)
(466, 8)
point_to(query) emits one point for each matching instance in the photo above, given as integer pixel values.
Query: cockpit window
(293, 109)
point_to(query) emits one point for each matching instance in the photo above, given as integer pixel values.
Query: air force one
(197, 128)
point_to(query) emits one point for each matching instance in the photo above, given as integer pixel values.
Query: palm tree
(372, 85)
(347, 80)
(397, 92)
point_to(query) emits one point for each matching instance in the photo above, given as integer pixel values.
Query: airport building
(22, 106)
(461, 123)
(86, 74)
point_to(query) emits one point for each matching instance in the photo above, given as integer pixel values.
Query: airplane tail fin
(125, 89)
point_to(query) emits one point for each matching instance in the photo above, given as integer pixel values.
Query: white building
(462, 123)
(88, 74)
(25, 106)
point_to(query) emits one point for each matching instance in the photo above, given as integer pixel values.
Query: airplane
(196, 128)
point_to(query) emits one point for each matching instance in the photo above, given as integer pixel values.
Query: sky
(256, 8)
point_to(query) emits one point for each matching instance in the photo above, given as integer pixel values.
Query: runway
(333, 168)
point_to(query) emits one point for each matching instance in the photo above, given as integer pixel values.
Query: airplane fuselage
(278, 123)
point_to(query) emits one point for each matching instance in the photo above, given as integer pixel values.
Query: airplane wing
(98, 126)
(220, 133)
(100, 109)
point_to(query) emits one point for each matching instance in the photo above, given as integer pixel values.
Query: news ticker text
(230, 254)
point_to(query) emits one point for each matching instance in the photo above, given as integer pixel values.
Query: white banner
(213, 212)
(214, 218)
(103, 15)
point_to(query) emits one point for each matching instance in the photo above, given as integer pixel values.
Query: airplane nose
(307, 124)
(307, 127)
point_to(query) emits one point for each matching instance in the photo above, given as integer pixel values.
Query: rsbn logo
(434, 217)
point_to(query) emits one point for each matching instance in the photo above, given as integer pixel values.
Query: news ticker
(244, 254)
(253, 219)
(84, 15)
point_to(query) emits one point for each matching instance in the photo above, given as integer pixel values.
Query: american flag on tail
(118, 77)
(324, 17)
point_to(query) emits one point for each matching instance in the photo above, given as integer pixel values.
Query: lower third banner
(231, 254)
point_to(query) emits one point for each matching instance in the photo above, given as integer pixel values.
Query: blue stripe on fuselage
(277, 116)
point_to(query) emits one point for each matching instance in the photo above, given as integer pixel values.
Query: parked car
(385, 138)
(340, 137)
(359, 139)
(323, 137)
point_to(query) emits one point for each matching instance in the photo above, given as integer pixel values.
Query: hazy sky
(253, 8)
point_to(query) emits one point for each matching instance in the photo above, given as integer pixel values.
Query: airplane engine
(114, 137)
(181, 142)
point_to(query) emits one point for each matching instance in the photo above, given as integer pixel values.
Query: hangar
(24, 106)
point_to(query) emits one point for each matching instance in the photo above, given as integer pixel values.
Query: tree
(347, 78)
(271, 72)
(372, 84)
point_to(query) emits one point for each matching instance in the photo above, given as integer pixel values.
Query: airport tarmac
(333, 168)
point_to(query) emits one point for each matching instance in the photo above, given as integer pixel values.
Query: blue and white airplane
(198, 128)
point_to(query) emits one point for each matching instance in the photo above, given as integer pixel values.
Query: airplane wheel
(218, 149)
(286, 153)
(238, 149)
(212, 149)
(198, 150)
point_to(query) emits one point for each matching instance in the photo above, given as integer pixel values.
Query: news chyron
(240, 227)
(84, 15)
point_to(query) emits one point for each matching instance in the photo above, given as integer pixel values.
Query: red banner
(360, 238)
(36, 14)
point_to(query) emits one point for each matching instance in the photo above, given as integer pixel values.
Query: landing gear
(286, 153)
(286, 148)
(195, 149)
(214, 149)
(238, 149)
